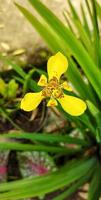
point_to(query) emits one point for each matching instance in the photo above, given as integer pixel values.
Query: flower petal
(52, 102)
(57, 65)
(42, 81)
(31, 101)
(72, 105)
(66, 86)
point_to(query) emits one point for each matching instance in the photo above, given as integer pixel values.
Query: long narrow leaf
(50, 35)
(85, 21)
(18, 69)
(21, 72)
(82, 33)
(28, 147)
(98, 7)
(73, 188)
(42, 185)
(95, 186)
(93, 73)
(96, 34)
(46, 138)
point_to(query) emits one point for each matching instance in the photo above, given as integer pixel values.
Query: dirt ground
(16, 32)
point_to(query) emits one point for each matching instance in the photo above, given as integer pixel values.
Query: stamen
(53, 89)
(52, 102)
(57, 93)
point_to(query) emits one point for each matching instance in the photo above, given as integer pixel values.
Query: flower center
(53, 89)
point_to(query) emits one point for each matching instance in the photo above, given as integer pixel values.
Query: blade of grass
(98, 7)
(78, 25)
(20, 80)
(85, 21)
(82, 120)
(74, 187)
(97, 116)
(73, 11)
(22, 183)
(84, 38)
(29, 147)
(42, 137)
(18, 69)
(6, 116)
(95, 186)
(27, 80)
(96, 34)
(89, 9)
(84, 89)
(32, 84)
(68, 22)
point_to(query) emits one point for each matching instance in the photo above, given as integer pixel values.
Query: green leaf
(89, 9)
(26, 84)
(98, 7)
(93, 109)
(12, 87)
(73, 11)
(96, 34)
(18, 69)
(74, 187)
(5, 114)
(82, 33)
(83, 89)
(95, 186)
(68, 22)
(97, 115)
(2, 87)
(85, 22)
(29, 147)
(48, 183)
(32, 84)
(84, 38)
(49, 138)
(79, 121)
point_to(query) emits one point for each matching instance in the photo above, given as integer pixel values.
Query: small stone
(83, 195)
(18, 52)
(5, 46)
(9, 67)
(4, 54)
(86, 187)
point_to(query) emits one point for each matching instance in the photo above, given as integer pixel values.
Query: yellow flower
(56, 66)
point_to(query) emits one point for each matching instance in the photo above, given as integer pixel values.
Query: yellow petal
(72, 105)
(52, 103)
(57, 65)
(66, 86)
(42, 81)
(31, 101)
